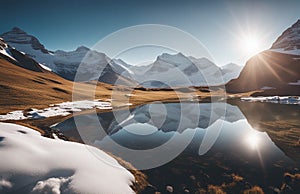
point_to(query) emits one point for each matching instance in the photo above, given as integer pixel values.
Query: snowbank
(274, 99)
(31, 163)
(295, 83)
(62, 109)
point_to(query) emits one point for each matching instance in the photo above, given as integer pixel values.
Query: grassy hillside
(21, 88)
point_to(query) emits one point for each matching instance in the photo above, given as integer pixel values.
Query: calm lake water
(192, 145)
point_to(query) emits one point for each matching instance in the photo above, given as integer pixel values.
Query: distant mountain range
(167, 70)
(275, 71)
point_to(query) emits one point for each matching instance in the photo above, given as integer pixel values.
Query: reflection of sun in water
(252, 140)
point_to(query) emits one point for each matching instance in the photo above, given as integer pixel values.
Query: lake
(188, 146)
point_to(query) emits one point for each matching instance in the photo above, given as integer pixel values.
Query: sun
(250, 44)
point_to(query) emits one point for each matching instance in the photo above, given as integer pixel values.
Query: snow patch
(45, 67)
(6, 52)
(53, 166)
(14, 115)
(267, 88)
(51, 185)
(295, 83)
(62, 109)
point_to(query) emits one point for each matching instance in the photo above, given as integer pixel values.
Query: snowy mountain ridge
(167, 70)
(289, 41)
(180, 70)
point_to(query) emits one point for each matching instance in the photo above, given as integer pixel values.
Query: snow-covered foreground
(274, 99)
(62, 109)
(31, 163)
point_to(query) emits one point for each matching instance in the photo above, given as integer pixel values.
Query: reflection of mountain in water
(177, 117)
(280, 121)
(163, 117)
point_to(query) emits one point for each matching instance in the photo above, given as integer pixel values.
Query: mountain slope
(288, 42)
(25, 84)
(65, 63)
(230, 71)
(14, 56)
(276, 71)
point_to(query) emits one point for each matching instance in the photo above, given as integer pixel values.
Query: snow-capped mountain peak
(231, 71)
(82, 49)
(176, 60)
(180, 70)
(289, 41)
(18, 36)
(64, 63)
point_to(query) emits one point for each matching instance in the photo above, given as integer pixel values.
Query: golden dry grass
(254, 190)
(21, 88)
(213, 189)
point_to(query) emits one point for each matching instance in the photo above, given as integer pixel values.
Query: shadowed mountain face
(269, 69)
(14, 56)
(16, 35)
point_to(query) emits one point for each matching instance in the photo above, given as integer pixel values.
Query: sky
(232, 31)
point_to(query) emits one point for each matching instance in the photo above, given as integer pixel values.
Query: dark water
(189, 146)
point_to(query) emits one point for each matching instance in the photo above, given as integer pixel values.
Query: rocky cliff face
(290, 39)
(18, 36)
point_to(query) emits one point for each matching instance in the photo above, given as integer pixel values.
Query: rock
(276, 190)
(169, 189)
(193, 177)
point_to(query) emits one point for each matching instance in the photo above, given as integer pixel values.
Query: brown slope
(21, 88)
(268, 69)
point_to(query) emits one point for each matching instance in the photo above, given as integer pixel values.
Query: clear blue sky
(217, 24)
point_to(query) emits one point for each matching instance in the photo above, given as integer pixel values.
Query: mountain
(275, 71)
(26, 84)
(180, 70)
(66, 63)
(289, 41)
(230, 71)
(167, 71)
(14, 56)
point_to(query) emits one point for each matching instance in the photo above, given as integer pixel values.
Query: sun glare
(252, 141)
(250, 44)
